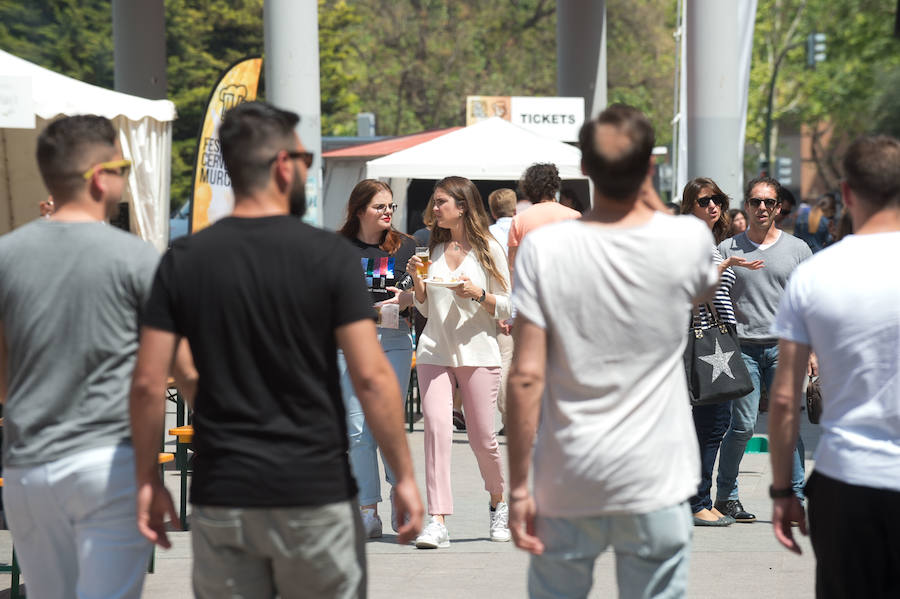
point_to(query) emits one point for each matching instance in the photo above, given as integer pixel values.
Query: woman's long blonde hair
(475, 222)
(824, 207)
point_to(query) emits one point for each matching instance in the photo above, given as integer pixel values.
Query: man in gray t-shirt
(755, 296)
(71, 292)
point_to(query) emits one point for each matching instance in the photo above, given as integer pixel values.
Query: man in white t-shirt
(601, 363)
(844, 303)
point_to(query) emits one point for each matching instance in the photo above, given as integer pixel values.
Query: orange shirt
(538, 216)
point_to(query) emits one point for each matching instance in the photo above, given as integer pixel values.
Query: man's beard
(297, 197)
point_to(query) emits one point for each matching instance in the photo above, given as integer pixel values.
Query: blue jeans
(397, 346)
(711, 422)
(652, 553)
(74, 521)
(761, 360)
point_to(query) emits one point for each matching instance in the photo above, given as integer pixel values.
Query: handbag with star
(712, 359)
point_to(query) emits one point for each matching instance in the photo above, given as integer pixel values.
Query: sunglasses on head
(116, 167)
(769, 202)
(718, 200)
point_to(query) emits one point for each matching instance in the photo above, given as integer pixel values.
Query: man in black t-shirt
(265, 302)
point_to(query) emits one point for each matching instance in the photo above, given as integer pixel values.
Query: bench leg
(181, 462)
(14, 587)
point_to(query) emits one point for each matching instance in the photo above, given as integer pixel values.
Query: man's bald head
(615, 151)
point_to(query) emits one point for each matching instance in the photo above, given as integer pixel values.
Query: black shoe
(733, 508)
(723, 521)
(459, 421)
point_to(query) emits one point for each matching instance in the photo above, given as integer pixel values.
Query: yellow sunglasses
(116, 167)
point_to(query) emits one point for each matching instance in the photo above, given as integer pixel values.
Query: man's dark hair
(872, 169)
(251, 135)
(764, 180)
(539, 181)
(787, 200)
(68, 147)
(617, 172)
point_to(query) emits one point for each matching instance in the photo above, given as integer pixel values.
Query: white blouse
(460, 332)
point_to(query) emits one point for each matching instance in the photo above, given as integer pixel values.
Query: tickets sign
(557, 118)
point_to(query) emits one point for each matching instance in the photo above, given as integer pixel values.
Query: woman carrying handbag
(712, 408)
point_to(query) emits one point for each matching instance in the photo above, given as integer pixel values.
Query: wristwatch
(480, 300)
(780, 493)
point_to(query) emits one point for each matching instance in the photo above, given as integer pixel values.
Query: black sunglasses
(306, 157)
(718, 200)
(769, 202)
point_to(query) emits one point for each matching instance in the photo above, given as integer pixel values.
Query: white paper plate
(442, 283)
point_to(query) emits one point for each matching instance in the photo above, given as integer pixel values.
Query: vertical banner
(211, 194)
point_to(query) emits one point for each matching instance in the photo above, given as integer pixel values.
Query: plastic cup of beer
(422, 254)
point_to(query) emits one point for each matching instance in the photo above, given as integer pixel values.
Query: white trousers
(73, 522)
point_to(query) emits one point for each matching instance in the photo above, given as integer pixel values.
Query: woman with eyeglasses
(383, 254)
(703, 199)
(466, 294)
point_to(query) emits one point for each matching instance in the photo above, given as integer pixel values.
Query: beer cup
(422, 254)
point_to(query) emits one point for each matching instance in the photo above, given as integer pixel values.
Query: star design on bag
(719, 361)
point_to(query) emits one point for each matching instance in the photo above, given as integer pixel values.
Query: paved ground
(743, 560)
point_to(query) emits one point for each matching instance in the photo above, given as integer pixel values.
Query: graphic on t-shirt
(379, 272)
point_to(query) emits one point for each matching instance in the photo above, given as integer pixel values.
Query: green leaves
(852, 92)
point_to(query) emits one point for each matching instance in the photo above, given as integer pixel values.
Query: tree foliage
(415, 61)
(73, 37)
(848, 94)
(641, 59)
(203, 38)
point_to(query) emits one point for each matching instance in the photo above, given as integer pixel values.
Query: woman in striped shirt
(703, 199)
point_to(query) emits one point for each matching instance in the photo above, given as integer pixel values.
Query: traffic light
(815, 49)
(784, 170)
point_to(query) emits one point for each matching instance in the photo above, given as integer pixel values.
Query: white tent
(145, 134)
(346, 167)
(493, 149)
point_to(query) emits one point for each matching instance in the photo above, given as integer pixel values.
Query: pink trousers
(478, 387)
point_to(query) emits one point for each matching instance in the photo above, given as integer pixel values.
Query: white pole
(291, 29)
(714, 104)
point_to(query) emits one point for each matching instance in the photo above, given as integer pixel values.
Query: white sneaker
(371, 523)
(435, 536)
(500, 522)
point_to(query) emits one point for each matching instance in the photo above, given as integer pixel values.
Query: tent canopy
(494, 149)
(145, 134)
(55, 94)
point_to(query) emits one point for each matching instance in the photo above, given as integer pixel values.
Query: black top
(422, 236)
(259, 299)
(385, 270)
